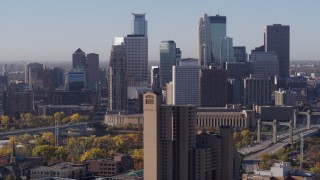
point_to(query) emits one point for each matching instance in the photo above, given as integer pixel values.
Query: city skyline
(47, 31)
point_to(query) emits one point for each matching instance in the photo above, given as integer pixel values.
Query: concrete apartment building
(110, 167)
(169, 139)
(171, 151)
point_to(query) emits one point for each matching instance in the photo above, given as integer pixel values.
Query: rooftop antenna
(218, 11)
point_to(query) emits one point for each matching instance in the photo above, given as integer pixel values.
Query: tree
(49, 137)
(11, 176)
(94, 153)
(316, 168)
(137, 156)
(245, 133)
(61, 153)
(74, 117)
(45, 151)
(5, 121)
(58, 116)
(236, 136)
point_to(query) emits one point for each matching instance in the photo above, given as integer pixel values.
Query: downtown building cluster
(175, 101)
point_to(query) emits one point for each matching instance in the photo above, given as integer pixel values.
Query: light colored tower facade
(117, 79)
(277, 39)
(137, 57)
(204, 41)
(169, 140)
(226, 50)
(167, 60)
(139, 25)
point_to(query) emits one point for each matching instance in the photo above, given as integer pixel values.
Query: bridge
(278, 138)
(82, 126)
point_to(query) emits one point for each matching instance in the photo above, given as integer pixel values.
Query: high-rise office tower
(58, 76)
(34, 73)
(139, 25)
(257, 90)
(78, 59)
(168, 55)
(226, 51)
(137, 57)
(265, 63)
(218, 30)
(277, 39)
(169, 140)
(240, 54)
(211, 30)
(155, 79)
(204, 41)
(186, 84)
(237, 72)
(76, 80)
(117, 79)
(213, 87)
(93, 70)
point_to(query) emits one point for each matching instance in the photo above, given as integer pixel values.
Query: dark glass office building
(277, 39)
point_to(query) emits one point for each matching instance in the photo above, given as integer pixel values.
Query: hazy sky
(38, 30)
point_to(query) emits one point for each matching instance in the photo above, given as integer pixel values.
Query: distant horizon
(46, 31)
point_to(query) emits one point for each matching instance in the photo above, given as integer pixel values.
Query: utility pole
(301, 152)
(56, 130)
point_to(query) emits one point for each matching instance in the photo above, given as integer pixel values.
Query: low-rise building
(110, 167)
(63, 170)
(279, 171)
(123, 119)
(133, 175)
(223, 116)
(67, 109)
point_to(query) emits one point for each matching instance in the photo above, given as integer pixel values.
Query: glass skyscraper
(167, 60)
(211, 30)
(139, 25)
(277, 39)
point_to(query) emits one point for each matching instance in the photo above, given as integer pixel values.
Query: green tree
(236, 136)
(316, 168)
(61, 153)
(245, 133)
(11, 176)
(59, 116)
(137, 156)
(44, 151)
(74, 117)
(5, 121)
(94, 153)
(49, 137)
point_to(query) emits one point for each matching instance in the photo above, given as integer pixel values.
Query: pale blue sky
(47, 30)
